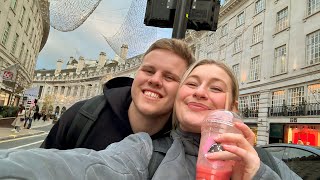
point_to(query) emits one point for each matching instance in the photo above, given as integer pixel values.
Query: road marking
(26, 145)
(26, 137)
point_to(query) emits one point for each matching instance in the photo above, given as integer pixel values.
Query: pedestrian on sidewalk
(19, 119)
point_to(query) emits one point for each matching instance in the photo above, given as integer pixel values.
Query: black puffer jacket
(111, 126)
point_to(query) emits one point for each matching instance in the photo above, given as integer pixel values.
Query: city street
(26, 142)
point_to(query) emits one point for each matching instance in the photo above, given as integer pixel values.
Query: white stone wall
(32, 37)
(297, 74)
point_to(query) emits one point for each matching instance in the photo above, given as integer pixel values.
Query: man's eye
(148, 71)
(170, 78)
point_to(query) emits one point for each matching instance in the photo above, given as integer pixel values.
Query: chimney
(102, 60)
(59, 67)
(124, 52)
(80, 64)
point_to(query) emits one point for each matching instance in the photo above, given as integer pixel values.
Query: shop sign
(293, 120)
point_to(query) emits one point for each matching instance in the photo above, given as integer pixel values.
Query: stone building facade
(273, 47)
(82, 79)
(24, 29)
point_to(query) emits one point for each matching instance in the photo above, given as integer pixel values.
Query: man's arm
(127, 160)
(57, 135)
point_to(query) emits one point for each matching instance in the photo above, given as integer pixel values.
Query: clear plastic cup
(217, 122)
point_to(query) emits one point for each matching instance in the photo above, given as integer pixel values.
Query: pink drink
(217, 122)
(204, 173)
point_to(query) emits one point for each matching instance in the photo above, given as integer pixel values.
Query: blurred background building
(273, 47)
(24, 29)
(81, 79)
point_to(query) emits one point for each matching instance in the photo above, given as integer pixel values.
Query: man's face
(156, 83)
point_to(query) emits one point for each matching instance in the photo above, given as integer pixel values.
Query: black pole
(181, 18)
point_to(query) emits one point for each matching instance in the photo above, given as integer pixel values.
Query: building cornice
(229, 7)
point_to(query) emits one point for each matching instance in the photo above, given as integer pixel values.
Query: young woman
(206, 86)
(19, 119)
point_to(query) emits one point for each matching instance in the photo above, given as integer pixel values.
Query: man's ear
(235, 107)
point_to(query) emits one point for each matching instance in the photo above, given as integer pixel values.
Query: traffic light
(159, 13)
(203, 14)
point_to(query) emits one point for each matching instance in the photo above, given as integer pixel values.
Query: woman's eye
(216, 89)
(190, 84)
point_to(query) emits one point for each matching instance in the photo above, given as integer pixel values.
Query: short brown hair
(177, 46)
(234, 81)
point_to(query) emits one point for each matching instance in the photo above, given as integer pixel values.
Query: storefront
(307, 134)
(4, 97)
(254, 128)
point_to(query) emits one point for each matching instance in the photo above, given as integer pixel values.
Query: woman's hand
(241, 151)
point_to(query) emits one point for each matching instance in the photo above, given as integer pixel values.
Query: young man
(144, 107)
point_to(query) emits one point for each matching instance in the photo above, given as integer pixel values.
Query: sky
(87, 40)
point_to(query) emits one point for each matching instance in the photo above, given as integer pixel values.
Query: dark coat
(112, 125)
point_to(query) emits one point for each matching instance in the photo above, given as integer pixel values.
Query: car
(303, 160)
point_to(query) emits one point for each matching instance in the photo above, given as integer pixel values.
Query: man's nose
(155, 80)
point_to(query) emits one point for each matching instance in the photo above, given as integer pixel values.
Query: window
(222, 54)
(55, 89)
(282, 20)
(257, 33)
(236, 70)
(254, 69)
(237, 44)
(295, 96)
(6, 32)
(314, 93)
(22, 14)
(13, 4)
(313, 6)
(224, 30)
(259, 6)
(14, 45)
(31, 34)
(240, 19)
(280, 60)
(25, 57)
(68, 91)
(278, 98)
(313, 48)
(254, 104)
(28, 26)
(82, 91)
(62, 90)
(249, 105)
(75, 91)
(21, 50)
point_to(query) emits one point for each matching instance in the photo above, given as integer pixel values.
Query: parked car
(303, 160)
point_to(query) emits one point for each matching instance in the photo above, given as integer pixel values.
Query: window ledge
(236, 53)
(308, 16)
(311, 65)
(223, 36)
(239, 25)
(286, 29)
(260, 42)
(259, 13)
(280, 74)
(253, 81)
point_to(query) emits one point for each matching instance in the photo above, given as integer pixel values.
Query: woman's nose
(155, 80)
(200, 93)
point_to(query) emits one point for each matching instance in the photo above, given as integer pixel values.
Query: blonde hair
(234, 82)
(176, 46)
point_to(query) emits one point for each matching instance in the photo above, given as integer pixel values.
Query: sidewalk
(5, 133)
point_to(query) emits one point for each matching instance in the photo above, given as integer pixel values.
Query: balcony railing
(249, 113)
(295, 110)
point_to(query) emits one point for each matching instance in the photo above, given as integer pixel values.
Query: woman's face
(208, 87)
